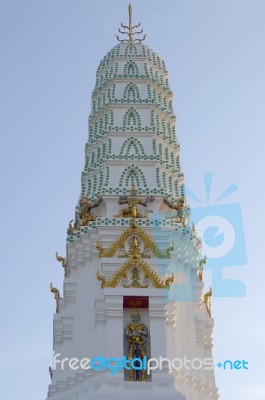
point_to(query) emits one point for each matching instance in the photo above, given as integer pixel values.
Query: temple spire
(130, 30)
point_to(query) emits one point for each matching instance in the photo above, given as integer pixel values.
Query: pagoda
(133, 275)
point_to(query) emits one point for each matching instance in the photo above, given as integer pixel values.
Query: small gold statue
(180, 217)
(207, 300)
(84, 215)
(56, 296)
(135, 334)
(63, 262)
(132, 210)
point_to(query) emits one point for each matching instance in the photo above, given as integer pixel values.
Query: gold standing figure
(136, 334)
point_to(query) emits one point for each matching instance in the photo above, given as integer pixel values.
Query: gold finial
(130, 29)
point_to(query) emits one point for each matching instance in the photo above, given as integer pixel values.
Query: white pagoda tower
(133, 285)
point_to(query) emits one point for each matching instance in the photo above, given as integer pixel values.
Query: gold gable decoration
(122, 273)
(135, 261)
(134, 231)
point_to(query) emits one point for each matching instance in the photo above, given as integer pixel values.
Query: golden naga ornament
(207, 301)
(135, 261)
(63, 262)
(57, 296)
(135, 231)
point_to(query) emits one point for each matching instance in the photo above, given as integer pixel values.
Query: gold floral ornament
(135, 231)
(84, 216)
(56, 296)
(201, 267)
(207, 301)
(135, 280)
(135, 260)
(130, 31)
(180, 217)
(63, 262)
(125, 254)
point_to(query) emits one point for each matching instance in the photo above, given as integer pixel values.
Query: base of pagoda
(104, 386)
(113, 387)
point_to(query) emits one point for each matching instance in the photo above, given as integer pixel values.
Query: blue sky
(214, 52)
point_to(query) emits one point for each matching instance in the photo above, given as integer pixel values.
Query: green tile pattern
(117, 108)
